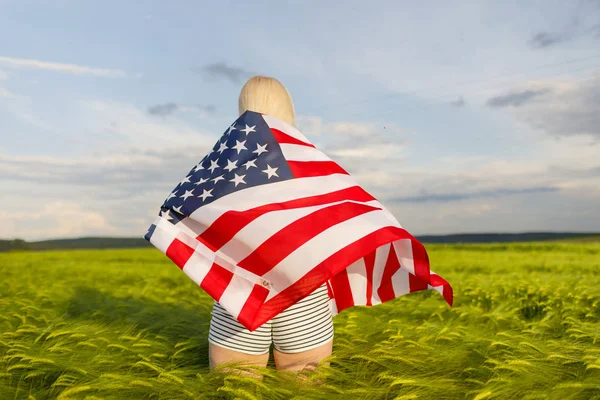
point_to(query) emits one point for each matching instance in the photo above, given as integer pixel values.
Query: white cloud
(347, 142)
(354, 129)
(336, 130)
(122, 170)
(469, 50)
(567, 107)
(21, 63)
(20, 107)
(123, 183)
(5, 92)
(104, 126)
(55, 219)
(555, 165)
(123, 119)
(562, 211)
(369, 152)
(309, 125)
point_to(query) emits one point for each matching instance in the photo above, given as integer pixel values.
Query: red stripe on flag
(216, 281)
(284, 138)
(179, 252)
(328, 269)
(448, 295)
(421, 259)
(341, 287)
(305, 169)
(276, 248)
(369, 266)
(436, 280)
(253, 303)
(386, 289)
(230, 223)
(416, 284)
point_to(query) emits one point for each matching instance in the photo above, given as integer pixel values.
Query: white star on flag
(238, 179)
(270, 171)
(178, 209)
(223, 147)
(187, 194)
(250, 163)
(218, 178)
(239, 146)
(171, 195)
(201, 181)
(213, 165)
(166, 214)
(205, 194)
(248, 129)
(260, 149)
(231, 165)
(185, 180)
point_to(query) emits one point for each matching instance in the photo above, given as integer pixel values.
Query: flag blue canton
(246, 155)
(150, 232)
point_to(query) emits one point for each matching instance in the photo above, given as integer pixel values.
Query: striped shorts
(303, 326)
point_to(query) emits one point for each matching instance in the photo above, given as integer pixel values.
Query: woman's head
(268, 96)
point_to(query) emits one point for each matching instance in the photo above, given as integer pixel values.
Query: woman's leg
(218, 355)
(229, 341)
(305, 360)
(303, 333)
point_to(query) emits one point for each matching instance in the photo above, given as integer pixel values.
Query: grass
(127, 324)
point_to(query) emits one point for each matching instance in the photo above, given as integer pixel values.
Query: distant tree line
(122, 243)
(78, 243)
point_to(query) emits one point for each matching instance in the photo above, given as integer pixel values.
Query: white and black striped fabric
(303, 326)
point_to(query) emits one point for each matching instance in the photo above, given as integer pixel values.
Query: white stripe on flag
(285, 128)
(202, 258)
(357, 276)
(381, 256)
(296, 152)
(275, 192)
(303, 259)
(235, 295)
(164, 233)
(403, 249)
(387, 212)
(262, 228)
(197, 267)
(232, 267)
(333, 307)
(400, 282)
(440, 289)
(191, 227)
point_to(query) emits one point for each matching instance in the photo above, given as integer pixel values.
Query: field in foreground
(127, 324)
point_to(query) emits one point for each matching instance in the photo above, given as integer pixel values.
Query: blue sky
(470, 116)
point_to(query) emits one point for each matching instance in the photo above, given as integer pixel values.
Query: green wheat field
(128, 324)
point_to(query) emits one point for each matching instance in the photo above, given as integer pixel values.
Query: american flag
(266, 218)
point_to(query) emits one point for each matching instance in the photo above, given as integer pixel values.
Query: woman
(302, 334)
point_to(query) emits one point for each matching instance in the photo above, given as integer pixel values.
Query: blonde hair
(268, 96)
